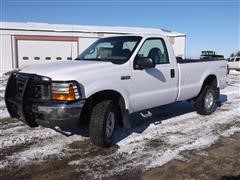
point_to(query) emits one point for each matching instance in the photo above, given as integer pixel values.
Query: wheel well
(115, 96)
(210, 80)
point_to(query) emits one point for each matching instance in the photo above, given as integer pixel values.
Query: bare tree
(235, 54)
(238, 53)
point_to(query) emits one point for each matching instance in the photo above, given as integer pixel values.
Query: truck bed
(192, 73)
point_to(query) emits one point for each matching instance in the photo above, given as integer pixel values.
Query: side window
(237, 59)
(156, 50)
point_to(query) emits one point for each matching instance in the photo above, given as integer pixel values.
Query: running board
(66, 133)
(146, 114)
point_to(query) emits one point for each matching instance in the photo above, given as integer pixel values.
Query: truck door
(155, 86)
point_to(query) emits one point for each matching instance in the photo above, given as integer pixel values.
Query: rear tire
(102, 123)
(206, 102)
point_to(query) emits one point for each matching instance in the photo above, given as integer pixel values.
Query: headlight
(65, 91)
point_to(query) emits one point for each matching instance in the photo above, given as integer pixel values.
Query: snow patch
(234, 72)
(24, 135)
(45, 147)
(231, 131)
(3, 81)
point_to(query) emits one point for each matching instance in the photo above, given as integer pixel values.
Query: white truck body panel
(93, 76)
(146, 88)
(192, 76)
(160, 88)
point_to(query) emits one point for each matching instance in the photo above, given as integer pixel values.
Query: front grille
(22, 91)
(30, 86)
(20, 88)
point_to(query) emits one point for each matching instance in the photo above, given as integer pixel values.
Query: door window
(156, 50)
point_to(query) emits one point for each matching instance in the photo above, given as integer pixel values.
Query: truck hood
(67, 70)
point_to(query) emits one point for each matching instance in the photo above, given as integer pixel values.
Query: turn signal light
(60, 93)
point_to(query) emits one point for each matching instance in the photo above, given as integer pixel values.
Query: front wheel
(102, 123)
(206, 102)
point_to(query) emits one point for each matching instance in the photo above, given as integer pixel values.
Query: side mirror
(144, 63)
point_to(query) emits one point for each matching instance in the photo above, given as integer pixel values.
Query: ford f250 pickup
(114, 77)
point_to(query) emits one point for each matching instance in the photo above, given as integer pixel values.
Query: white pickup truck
(112, 78)
(234, 63)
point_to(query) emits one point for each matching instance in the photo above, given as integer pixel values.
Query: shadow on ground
(139, 124)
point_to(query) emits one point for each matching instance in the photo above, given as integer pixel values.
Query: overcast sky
(208, 24)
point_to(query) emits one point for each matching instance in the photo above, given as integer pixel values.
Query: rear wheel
(206, 102)
(102, 123)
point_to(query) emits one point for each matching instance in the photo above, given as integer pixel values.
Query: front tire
(206, 102)
(102, 123)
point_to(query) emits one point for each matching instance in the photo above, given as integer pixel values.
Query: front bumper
(61, 115)
(27, 99)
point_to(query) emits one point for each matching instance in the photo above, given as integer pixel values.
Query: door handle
(172, 72)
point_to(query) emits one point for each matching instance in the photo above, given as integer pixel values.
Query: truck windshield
(117, 50)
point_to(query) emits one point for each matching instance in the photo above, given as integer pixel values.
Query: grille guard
(21, 93)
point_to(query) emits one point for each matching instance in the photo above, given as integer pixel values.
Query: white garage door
(31, 52)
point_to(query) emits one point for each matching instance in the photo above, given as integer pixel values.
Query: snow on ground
(39, 152)
(3, 81)
(151, 142)
(41, 143)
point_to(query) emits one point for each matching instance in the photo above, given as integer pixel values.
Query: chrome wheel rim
(209, 100)
(110, 124)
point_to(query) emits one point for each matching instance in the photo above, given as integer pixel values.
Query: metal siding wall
(6, 59)
(85, 43)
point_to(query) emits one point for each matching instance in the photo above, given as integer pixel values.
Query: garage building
(24, 44)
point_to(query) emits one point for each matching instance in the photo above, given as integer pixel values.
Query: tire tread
(97, 123)
(199, 103)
